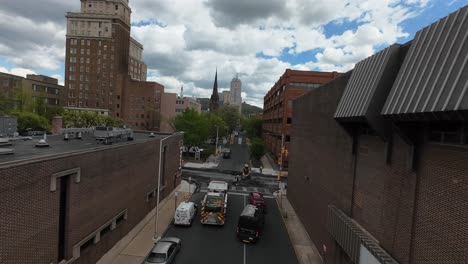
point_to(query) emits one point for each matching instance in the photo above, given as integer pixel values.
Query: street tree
(231, 116)
(194, 125)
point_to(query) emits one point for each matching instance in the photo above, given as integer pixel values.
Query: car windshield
(156, 257)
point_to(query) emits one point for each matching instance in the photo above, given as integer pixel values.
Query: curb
(280, 209)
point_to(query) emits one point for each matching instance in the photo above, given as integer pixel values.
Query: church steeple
(214, 99)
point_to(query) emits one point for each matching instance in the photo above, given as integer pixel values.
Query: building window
(99, 43)
(86, 86)
(89, 42)
(81, 86)
(71, 77)
(82, 42)
(71, 86)
(289, 120)
(72, 59)
(88, 51)
(82, 51)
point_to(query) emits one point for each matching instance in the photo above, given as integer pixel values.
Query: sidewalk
(133, 248)
(211, 162)
(268, 167)
(306, 251)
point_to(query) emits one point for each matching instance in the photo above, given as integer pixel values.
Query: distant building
(214, 99)
(141, 107)
(277, 106)
(225, 97)
(172, 105)
(204, 103)
(235, 93)
(36, 88)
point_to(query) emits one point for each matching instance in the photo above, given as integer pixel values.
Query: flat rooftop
(25, 149)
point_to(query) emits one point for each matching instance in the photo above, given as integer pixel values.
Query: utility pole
(280, 160)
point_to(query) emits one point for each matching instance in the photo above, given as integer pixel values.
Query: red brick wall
(112, 179)
(383, 196)
(441, 227)
(141, 105)
(277, 109)
(320, 171)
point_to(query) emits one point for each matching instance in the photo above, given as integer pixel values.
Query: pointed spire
(214, 100)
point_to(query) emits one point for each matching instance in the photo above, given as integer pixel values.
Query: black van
(250, 224)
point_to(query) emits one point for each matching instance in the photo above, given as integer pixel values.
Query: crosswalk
(239, 189)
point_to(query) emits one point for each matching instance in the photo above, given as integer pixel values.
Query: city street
(239, 156)
(218, 244)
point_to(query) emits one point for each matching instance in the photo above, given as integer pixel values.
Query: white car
(195, 149)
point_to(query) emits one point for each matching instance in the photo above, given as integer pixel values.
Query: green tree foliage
(31, 121)
(230, 115)
(89, 119)
(253, 127)
(257, 149)
(214, 121)
(195, 126)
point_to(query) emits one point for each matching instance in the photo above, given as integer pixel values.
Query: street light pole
(156, 237)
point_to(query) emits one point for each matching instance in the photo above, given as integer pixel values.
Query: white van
(185, 213)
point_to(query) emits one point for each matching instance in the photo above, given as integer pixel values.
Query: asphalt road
(219, 244)
(239, 156)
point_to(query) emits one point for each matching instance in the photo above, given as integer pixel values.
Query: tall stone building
(214, 99)
(103, 63)
(235, 93)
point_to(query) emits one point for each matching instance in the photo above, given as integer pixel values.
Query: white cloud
(17, 71)
(184, 42)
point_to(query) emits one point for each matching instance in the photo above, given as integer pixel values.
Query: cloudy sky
(186, 40)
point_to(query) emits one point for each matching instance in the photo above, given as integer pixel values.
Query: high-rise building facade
(101, 57)
(137, 69)
(235, 93)
(97, 51)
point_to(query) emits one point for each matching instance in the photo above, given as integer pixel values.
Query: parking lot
(219, 244)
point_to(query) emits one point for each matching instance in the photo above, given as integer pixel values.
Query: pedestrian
(261, 169)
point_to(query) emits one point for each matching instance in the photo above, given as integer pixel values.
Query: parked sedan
(164, 251)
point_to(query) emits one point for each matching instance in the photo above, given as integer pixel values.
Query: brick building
(172, 105)
(103, 63)
(378, 170)
(32, 89)
(277, 105)
(141, 107)
(73, 202)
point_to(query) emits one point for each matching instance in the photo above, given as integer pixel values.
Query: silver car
(164, 251)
